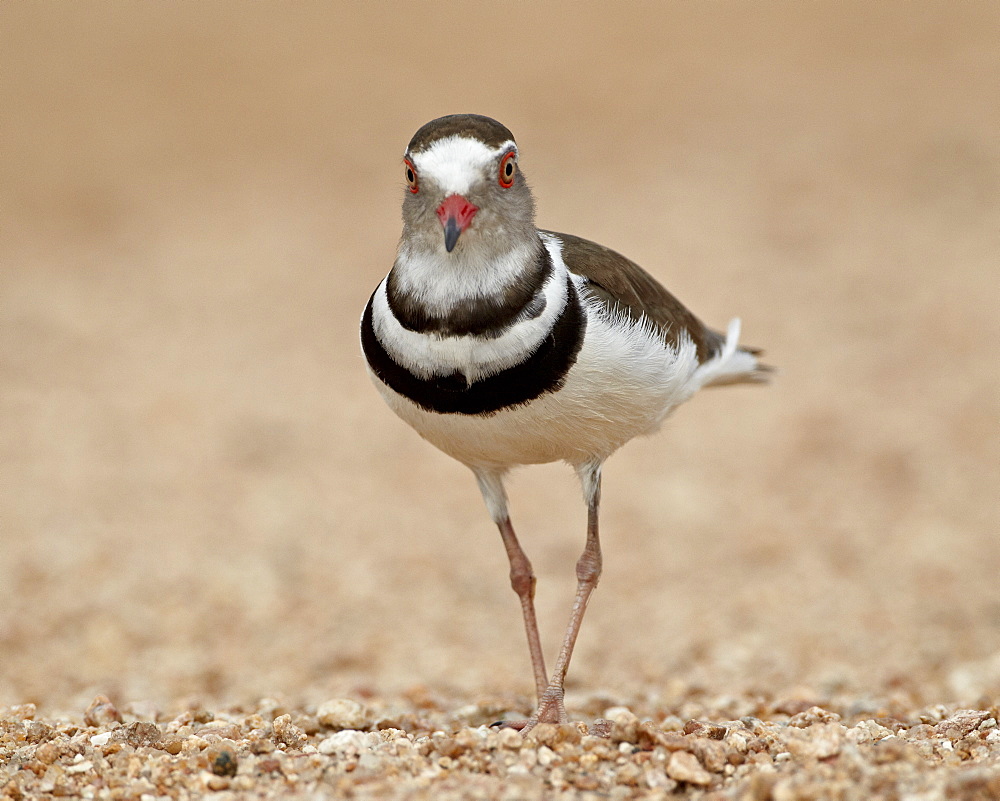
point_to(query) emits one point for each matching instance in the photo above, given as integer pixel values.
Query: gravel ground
(204, 504)
(417, 748)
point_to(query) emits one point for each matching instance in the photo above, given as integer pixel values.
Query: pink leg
(522, 579)
(588, 571)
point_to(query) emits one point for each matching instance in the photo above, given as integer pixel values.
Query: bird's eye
(411, 176)
(508, 169)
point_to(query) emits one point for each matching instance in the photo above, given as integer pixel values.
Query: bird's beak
(455, 214)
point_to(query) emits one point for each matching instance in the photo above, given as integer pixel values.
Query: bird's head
(465, 194)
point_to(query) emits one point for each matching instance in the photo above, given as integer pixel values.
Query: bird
(505, 345)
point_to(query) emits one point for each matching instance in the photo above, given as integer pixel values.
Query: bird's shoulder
(621, 284)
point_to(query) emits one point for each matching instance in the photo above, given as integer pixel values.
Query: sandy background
(202, 496)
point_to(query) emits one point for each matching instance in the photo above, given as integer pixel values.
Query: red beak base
(455, 214)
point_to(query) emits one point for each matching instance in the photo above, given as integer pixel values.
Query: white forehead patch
(457, 162)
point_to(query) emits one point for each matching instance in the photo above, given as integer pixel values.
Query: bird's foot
(599, 728)
(516, 725)
(551, 709)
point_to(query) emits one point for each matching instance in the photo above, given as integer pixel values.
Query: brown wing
(624, 285)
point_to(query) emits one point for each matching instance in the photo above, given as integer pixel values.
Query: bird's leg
(522, 577)
(551, 708)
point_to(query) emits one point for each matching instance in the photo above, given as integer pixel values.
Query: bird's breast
(471, 374)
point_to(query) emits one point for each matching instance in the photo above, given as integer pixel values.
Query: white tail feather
(731, 365)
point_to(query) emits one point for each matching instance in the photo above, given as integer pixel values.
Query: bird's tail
(733, 363)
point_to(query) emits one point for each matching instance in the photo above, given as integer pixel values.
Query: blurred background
(202, 495)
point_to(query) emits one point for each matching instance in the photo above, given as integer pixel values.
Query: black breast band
(542, 371)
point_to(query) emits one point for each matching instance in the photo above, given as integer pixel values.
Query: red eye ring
(508, 169)
(411, 176)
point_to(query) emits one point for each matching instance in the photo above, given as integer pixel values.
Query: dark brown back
(623, 284)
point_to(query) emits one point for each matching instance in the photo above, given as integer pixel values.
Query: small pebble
(343, 713)
(287, 732)
(101, 712)
(621, 715)
(510, 738)
(685, 767)
(344, 742)
(222, 761)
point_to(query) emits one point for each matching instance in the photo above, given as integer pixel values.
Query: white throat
(440, 281)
